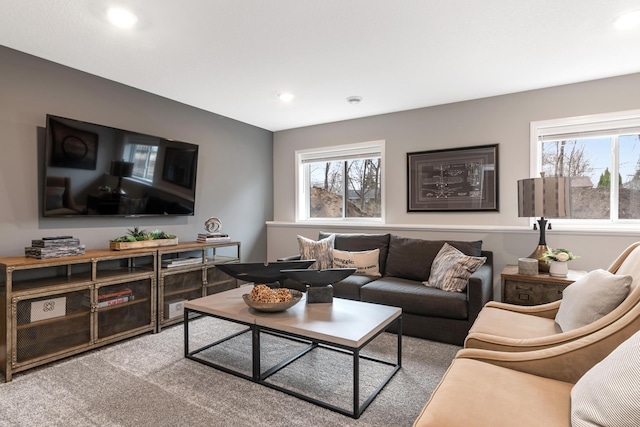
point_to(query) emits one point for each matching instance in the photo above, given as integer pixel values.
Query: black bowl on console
(262, 272)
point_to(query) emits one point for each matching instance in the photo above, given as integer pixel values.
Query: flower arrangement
(560, 255)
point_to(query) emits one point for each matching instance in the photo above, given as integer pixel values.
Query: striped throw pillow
(608, 394)
(451, 269)
(319, 250)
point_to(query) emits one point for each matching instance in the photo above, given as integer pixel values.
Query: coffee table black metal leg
(186, 332)
(399, 341)
(356, 383)
(255, 351)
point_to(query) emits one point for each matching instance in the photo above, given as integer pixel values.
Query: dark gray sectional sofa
(405, 263)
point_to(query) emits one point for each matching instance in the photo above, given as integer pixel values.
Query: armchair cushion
(451, 269)
(319, 250)
(590, 298)
(608, 393)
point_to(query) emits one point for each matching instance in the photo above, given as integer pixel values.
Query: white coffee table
(345, 325)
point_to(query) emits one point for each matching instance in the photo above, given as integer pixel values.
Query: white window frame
(334, 153)
(582, 126)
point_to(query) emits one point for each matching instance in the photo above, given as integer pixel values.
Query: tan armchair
(530, 388)
(514, 328)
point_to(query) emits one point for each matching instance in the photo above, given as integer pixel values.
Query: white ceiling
(232, 57)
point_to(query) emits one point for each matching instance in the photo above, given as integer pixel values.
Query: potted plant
(557, 260)
(137, 238)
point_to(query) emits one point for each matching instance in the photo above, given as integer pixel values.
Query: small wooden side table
(525, 289)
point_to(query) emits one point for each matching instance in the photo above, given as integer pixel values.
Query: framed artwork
(459, 179)
(73, 148)
(179, 166)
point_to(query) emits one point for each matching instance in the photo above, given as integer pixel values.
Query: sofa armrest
(289, 258)
(480, 290)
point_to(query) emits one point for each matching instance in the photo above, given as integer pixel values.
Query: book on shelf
(213, 239)
(115, 301)
(177, 262)
(116, 294)
(208, 235)
(111, 298)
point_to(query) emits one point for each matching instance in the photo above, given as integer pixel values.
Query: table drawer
(528, 293)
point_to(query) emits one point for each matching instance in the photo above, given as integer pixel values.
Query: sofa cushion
(415, 298)
(362, 242)
(350, 287)
(365, 262)
(608, 394)
(412, 258)
(590, 298)
(451, 269)
(320, 251)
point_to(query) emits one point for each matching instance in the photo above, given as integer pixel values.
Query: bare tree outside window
(589, 163)
(345, 189)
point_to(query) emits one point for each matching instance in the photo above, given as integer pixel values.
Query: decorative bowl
(262, 272)
(272, 307)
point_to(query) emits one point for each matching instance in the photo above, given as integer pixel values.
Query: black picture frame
(179, 166)
(73, 148)
(459, 179)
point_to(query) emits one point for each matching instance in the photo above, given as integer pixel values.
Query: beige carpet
(146, 381)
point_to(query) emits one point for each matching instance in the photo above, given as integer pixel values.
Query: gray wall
(234, 180)
(504, 120)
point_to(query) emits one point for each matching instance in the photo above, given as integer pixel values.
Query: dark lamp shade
(121, 168)
(544, 197)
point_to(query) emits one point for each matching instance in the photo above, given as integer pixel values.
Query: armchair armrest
(548, 310)
(567, 362)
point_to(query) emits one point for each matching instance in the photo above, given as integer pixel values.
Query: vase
(558, 268)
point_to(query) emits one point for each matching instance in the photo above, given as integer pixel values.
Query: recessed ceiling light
(628, 21)
(285, 97)
(354, 99)
(121, 17)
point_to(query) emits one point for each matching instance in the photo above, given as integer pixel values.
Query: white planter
(558, 269)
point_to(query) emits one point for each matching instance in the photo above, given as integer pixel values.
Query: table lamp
(542, 197)
(121, 169)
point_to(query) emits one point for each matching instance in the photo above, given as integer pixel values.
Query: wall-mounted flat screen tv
(96, 170)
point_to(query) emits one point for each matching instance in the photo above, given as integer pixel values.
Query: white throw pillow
(365, 262)
(590, 298)
(451, 269)
(319, 250)
(608, 394)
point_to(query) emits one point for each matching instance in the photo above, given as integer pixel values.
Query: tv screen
(96, 170)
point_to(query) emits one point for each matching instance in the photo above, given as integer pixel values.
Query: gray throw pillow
(590, 298)
(319, 250)
(608, 394)
(451, 269)
(412, 258)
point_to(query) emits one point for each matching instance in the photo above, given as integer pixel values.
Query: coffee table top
(344, 322)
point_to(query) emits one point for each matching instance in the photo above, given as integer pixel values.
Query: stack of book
(54, 247)
(213, 237)
(113, 298)
(178, 262)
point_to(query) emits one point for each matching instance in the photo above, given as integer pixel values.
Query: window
(144, 161)
(341, 183)
(601, 155)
